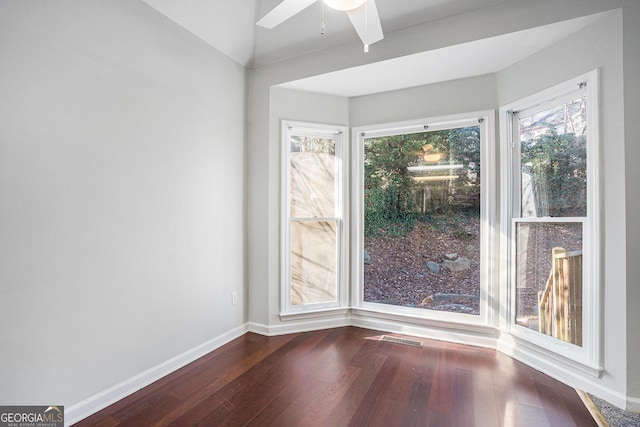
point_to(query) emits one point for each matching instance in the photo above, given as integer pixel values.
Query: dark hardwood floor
(349, 377)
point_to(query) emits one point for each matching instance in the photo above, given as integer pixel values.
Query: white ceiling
(229, 26)
(301, 34)
(487, 56)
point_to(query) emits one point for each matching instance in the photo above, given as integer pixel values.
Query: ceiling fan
(362, 13)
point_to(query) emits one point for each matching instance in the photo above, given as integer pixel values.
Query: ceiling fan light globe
(344, 5)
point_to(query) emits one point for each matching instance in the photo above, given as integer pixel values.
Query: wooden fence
(560, 303)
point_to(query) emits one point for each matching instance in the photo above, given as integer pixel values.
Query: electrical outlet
(234, 298)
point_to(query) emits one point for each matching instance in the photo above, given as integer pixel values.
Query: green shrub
(391, 202)
(557, 164)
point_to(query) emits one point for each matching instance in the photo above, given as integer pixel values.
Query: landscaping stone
(454, 308)
(434, 267)
(438, 298)
(367, 258)
(450, 256)
(456, 265)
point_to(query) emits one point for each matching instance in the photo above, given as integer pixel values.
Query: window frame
(487, 320)
(289, 128)
(588, 356)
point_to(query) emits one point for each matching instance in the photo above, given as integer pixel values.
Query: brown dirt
(398, 273)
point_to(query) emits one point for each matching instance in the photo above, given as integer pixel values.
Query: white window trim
(288, 311)
(587, 358)
(487, 320)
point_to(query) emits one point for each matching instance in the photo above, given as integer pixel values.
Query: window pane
(422, 220)
(314, 269)
(554, 161)
(549, 279)
(313, 177)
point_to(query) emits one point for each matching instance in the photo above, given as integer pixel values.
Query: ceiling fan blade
(285, 10)
(366, 21)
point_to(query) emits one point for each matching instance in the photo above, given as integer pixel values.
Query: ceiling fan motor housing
(344, 5)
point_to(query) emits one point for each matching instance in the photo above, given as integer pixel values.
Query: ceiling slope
(227, 25)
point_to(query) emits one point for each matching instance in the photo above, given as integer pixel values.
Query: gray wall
(121, 195)
(631, 52)
(453, 97)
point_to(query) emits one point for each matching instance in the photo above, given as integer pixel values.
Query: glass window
(424, 236)
(422, 220)
(553, 158)
(553, 184)
(549, 278)
(552, 207)
(313, 223)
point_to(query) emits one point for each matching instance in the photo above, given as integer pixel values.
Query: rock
(427, 300)
(434, 267)
(451, 256)
(471, 248)
(458, 264)
(439, 298)
(367, 258)
(419, 276)
(403, 271)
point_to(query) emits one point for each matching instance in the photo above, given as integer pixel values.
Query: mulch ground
(398, 272)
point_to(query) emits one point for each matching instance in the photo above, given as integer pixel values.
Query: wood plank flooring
(349, 377)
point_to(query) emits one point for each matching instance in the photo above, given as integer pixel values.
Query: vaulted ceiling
(229, 25)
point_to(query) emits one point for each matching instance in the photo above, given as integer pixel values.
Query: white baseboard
(568, 372)
(258, 328)
(633, 404)
(292, 327)
(98, 401)
(477, 339)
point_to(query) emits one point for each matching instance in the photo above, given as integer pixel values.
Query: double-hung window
(550, 211)
(313, 270)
